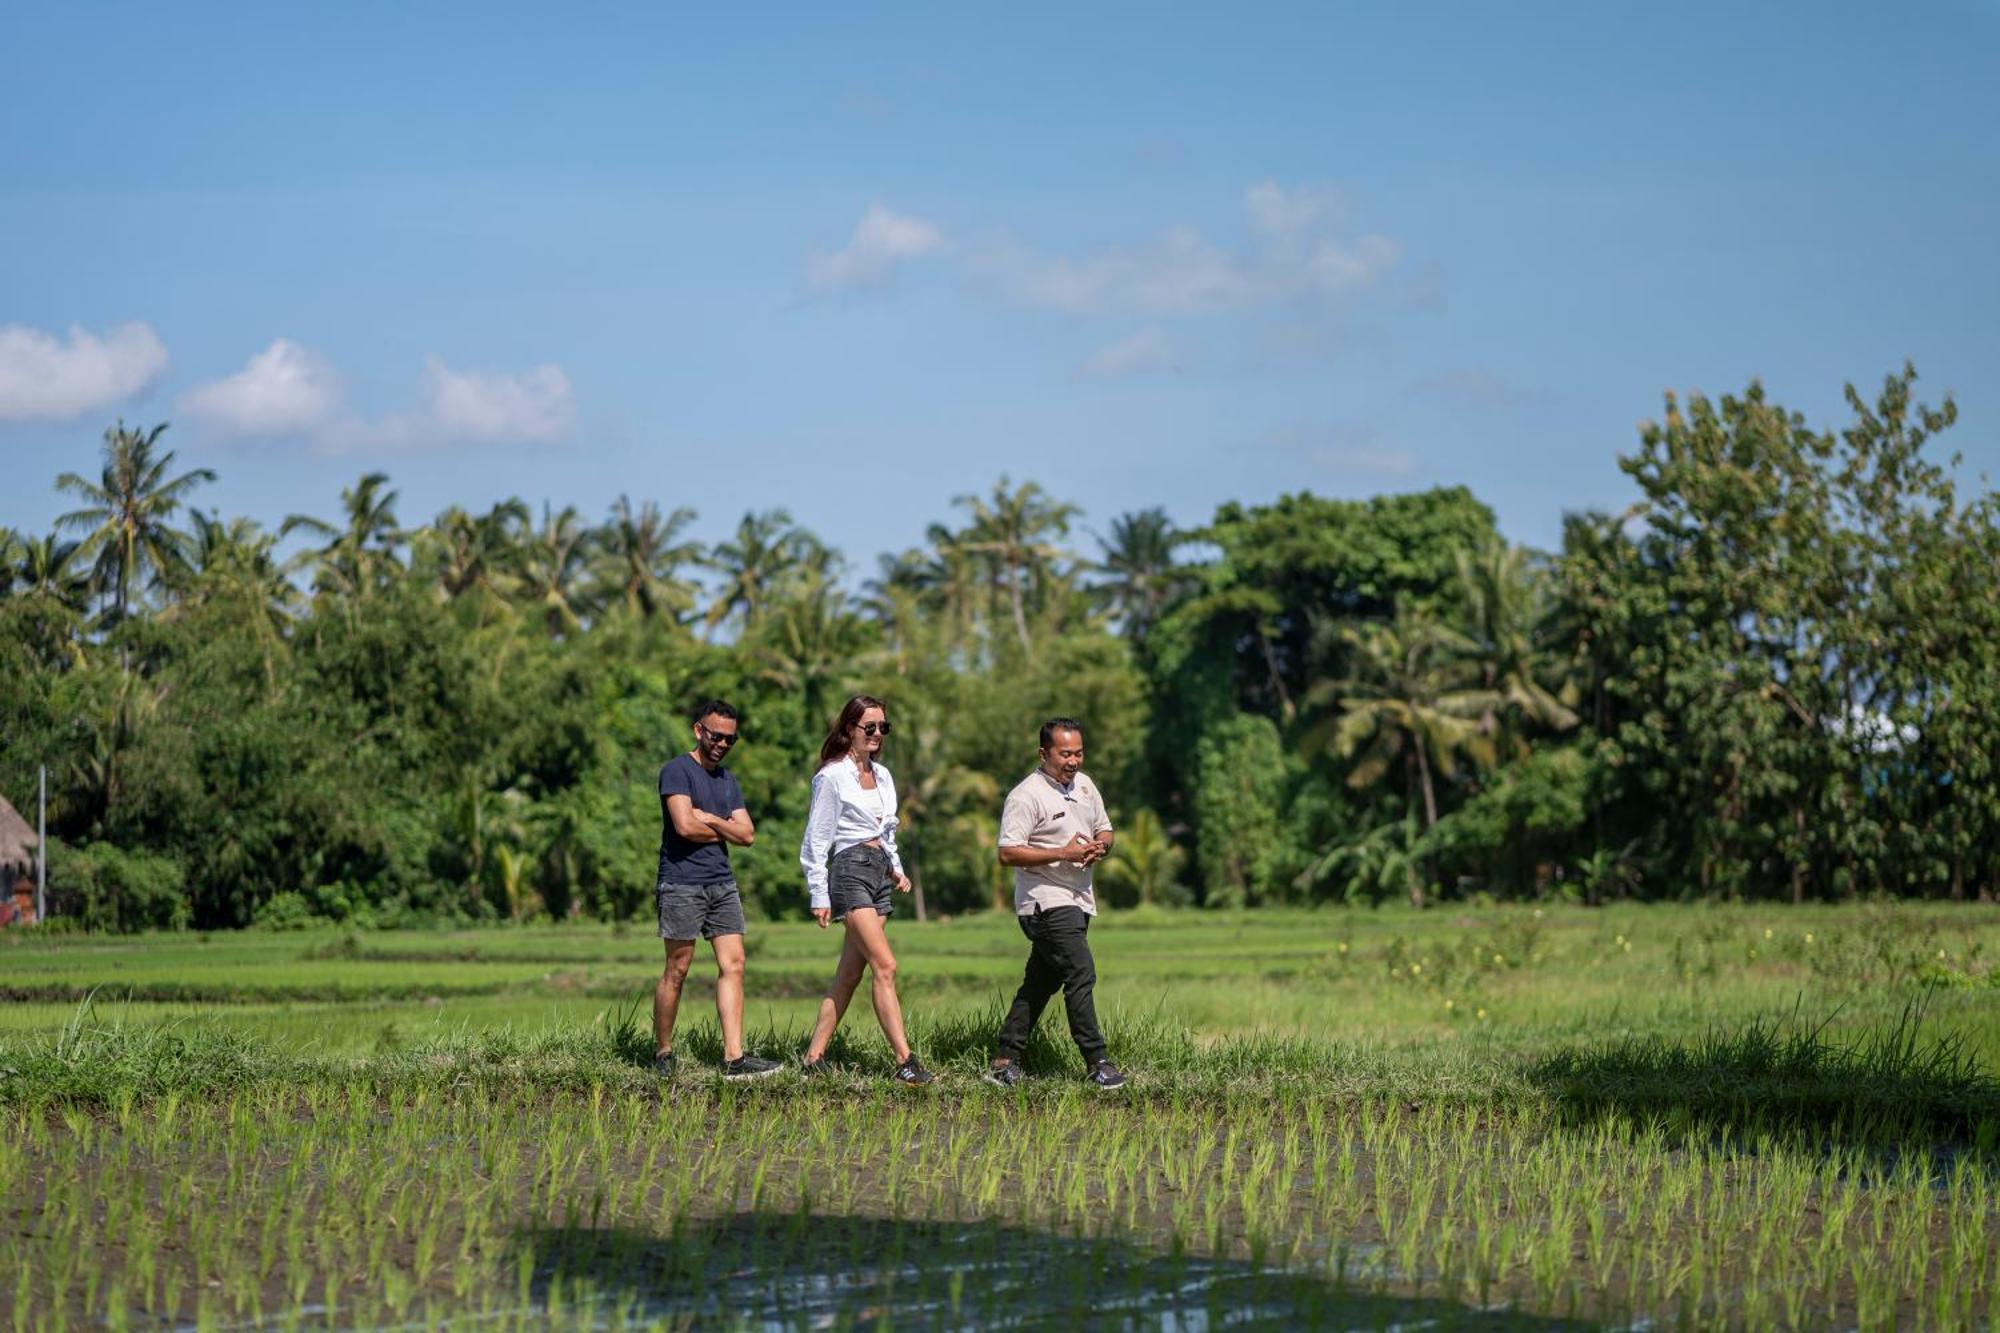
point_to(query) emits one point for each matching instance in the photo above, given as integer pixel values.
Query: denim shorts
(861, 877)
(691, 911)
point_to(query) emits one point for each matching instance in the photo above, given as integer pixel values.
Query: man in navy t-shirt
(701, 813)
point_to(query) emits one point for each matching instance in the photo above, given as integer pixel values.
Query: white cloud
(43, 378)
(1346, 448)
(882, 240)
(285, 390)
(1473, 388)
(1145, 352)
(1298, 253)
(458, 407)
(290, 390)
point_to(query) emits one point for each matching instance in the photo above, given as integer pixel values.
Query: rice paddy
(1489, 1118)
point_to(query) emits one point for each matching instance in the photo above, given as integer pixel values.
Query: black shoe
(663, 1064)
(911, 1074)
(1104, 1076)
(1006, 1074)
(815, 1068)
(748, 1067)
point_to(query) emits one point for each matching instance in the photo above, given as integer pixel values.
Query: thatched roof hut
(17, 866)
(17, 840)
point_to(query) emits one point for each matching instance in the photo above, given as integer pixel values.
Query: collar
(1066, 788)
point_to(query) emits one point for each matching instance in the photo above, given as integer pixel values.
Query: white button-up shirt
(845, 814)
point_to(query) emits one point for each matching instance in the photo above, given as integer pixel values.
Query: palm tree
(1013, 530)
(766, 549)
(46, 568)
(42, 575)
(642, 554)
(1145, 859)
(127, 512)
(806, 644)
(237, 559)
(1413, 701)
(555, 573)
(934, 795)
(1140, 576)
(1504, 616)
(479, 557)
(360, 552)
(11, 544)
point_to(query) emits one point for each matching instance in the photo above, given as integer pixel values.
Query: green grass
(1478, 1118)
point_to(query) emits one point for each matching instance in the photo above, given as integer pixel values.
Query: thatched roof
(17, 838)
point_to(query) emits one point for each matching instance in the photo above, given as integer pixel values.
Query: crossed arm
(700, 826)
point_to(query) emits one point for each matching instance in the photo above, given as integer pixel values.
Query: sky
(858, 261)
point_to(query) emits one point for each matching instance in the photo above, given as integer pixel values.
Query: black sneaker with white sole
(1005, 1074)
(1104, 1076)
(748, 1067)
(815, 1068)
(911, 1074)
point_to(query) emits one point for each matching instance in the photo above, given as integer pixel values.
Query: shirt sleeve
(890, 822)
(736, 801)
(673, 781)
(822, 818)
(1017, 821)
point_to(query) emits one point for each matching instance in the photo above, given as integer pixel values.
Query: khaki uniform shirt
(1041, 812)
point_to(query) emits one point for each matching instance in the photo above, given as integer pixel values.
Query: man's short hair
(1055, 724)
(712, 708)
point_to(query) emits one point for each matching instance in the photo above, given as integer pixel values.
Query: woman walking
(851, 865)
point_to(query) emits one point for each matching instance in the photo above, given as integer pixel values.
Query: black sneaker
(1006, 1074)
(911, 1074)
(663, 1064)
(815, 1068)
(1104, 1076)
(748, 1067)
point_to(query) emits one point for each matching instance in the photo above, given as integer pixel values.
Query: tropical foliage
(1776, 675)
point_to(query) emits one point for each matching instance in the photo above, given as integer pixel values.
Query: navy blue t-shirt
(681, 861)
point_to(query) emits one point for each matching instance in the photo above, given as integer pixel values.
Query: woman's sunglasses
(874, 728)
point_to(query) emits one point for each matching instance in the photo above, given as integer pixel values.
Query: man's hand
(1082, 850)
(822, 915)
(1098, 851)
(902, 882)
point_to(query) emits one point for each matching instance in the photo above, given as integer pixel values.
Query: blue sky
(857, 263)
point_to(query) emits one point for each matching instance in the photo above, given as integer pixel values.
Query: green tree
(1413, 704)
(1144, 862)
(1238, 799)
(127, 512)
(1139, 575)
(362, 551)
(554, 578)
(1015, 531)
(643, 553)
(766, 549)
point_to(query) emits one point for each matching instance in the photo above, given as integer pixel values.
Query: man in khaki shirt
(1052, 831)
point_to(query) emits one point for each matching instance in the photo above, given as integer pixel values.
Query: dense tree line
(1776, 675)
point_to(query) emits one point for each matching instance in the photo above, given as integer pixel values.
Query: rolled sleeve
(1017, 821)
(821, 820)
(889, 845)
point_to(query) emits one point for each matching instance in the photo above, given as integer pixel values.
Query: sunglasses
(874, 728)
(717, 737)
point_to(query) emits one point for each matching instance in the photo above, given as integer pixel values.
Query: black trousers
(1058, 960)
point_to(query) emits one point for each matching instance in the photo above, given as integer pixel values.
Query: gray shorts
(699, 911)
(861, 877)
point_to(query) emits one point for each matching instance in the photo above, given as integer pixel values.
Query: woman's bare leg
(865, 927)
(845, 978)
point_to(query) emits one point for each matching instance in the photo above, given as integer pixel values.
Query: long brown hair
(836, 743)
